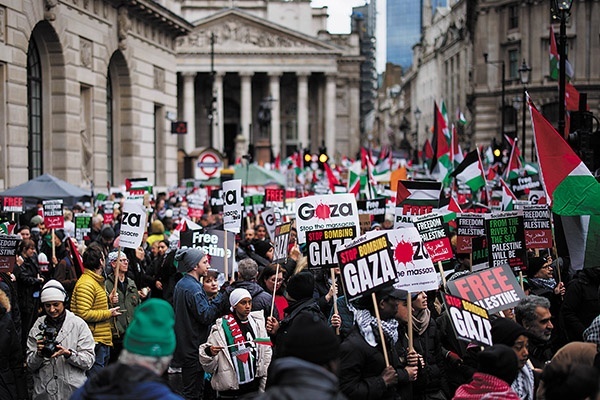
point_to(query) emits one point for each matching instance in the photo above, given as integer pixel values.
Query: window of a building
(513, 64)
(34, 111)
(513, 16)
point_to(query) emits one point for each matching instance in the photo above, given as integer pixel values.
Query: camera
(48, 336)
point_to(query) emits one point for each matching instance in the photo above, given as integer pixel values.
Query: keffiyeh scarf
(523, 383)
(367, 323)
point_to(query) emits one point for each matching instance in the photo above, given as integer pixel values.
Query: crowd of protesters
(116, 323)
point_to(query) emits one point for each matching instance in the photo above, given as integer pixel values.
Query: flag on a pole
(448, 208)
(461, 118)
(572, 191)
(470, 171)
(555, 60)
(508, 197)
(440, 165)
(514, 166)
(456, 154)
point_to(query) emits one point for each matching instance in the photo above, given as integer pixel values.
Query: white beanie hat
(237, 295)
(53, 291)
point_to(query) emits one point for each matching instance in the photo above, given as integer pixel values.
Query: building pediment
(236, 32)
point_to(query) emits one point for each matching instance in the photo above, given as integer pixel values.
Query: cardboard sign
(274, 198)
(323, 246)
(494, 289)
(12, 204)
(281, 239)
(522, 185)
(232, 205)
(470, 322)
(83, 226)
(367, 267)
(506, 244)
(479, 253)
(538, 227)
(435, 236)
(212, 242)
(374, 207)
(133, 224)
(8, 252)
(365, 223)
(323, 212)
(468, 226)
(53, 214)
(415, 198)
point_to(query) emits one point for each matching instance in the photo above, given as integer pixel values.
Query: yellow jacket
(90, 302)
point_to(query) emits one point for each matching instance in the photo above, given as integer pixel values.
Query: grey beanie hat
(187, 258)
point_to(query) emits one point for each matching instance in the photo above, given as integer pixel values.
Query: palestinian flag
(441, 165)
(508, 197)
(448, 208)
(461, 118)
(444, 112)
(427, 153)
(572, 191)
(470, 171)
(418, 193)
(456, 154)
(514, 166)
(555, 60)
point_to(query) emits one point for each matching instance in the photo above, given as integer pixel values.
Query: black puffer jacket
(12, 384)
(581, 304)
(295, 379)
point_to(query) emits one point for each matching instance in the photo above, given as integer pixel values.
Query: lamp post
(417, 114)
(524, 71)
(516, 103)
(499, 62)
(561, 10)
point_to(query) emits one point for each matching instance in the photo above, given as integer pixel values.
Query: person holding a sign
(29, 281)
(194, 315)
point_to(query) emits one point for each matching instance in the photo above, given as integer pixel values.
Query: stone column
(189, 110)
(246, 104)
(275, 112)
(218, 121)
(302, 112)
(330, 113)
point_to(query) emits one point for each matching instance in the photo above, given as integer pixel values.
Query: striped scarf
(243, 354)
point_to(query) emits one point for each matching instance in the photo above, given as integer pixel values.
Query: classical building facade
(275, 55)
(85, 87)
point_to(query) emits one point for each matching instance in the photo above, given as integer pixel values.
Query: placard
(274, 197)
(415, 198)
(470, 322)
(479, 253)
(212, 242)
(325, 212)
(506, 244)
(323, 246)
(281, 239)
(522, 185)
(374, 207)
(365, 223)
(108, 212)
(133, 224)
(8, 252)
(494, 289)
(538, 227)
(83, 226)
(468, 226)
(435, 236)
(216, 201)
(270, 219)
(232, 205)
(53, 214)
(12, 204)
(367, 267)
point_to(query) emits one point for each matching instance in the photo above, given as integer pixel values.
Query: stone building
(85, 88)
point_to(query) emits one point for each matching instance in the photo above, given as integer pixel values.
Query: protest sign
(522, 185)
(367, 267)
(323, 246)
(212, 242)
(468, 226)
(290, 206)
(232, 205)
(195, 206)
(270, 219)
(470, 322)
(274, 197)
(415, 198)
(136, 189)
(216, 201)
(133, 224)
(494, 289)
(374, 207)
(324, 212)
(12, 204)
(8, 252)
(538, 228)
(281, 239)
(53, 214)
(479, 253)
(506, 244)
(83, 226)
(254, 203)
(365, 223)
(435, 236)
(108, 212)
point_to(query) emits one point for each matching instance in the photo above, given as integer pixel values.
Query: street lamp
(524, 71)
(561, 11)
(499, 62)
(417, 114)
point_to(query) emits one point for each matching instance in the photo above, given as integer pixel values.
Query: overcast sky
(339, 21)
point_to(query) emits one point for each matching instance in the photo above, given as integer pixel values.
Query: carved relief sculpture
(123, 27)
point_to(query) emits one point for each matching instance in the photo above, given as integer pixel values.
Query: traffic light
(307, 158)
(497, 151)
(323, 157)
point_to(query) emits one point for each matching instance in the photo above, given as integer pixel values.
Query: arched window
(109, 131)
(34, 111)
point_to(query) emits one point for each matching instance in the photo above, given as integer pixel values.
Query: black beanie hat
(500, 361)
(261, 247)
(310, 339)
(535, 264)
(301, 286)
(506, 331)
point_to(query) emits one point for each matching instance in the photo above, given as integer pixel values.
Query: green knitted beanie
(151, 332)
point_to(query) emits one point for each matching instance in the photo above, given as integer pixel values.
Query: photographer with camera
(60, 347)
